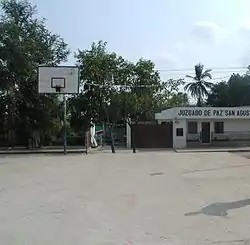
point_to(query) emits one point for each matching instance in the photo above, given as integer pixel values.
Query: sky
(174, 34)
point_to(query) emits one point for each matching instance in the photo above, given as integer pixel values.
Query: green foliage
(170, 96)
(97, 69)
(199, 87)
(235, 92)
(113, 89)
(116, 85)
(141, 95)
(118, 90)
(26, 43)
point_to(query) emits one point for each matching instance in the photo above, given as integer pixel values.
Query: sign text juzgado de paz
(214, 112)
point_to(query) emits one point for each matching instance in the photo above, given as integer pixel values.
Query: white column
(128, 134)
(179, 142)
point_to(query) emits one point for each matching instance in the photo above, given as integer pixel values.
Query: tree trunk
(133, 139)
(199, 102)
(10, 122)
(112, 139)
(87, 140)
(10, 145)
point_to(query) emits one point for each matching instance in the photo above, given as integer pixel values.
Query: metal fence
(226, 136)
(231, 136)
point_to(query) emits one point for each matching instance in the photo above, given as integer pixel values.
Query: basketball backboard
(58, 79)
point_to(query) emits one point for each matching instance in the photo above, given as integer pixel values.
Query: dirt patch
(156, 174)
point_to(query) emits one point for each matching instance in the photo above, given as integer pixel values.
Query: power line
(213, 68)
(120, 85)
(141, 85)
(171, 75)
(185, 74)
(177, 76)
(192, 73)
(214, 78)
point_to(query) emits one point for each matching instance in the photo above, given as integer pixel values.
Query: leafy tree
(98, 69)
(235, 92)
(141, 94)
(145, 88)
(116, 90)
(26, 43)
(179, 99)
(199, 87)
(171, 96)
(219, 95)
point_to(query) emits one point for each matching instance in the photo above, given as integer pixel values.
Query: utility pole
(65, 125)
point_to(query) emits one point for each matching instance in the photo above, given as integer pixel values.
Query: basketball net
(58, 89)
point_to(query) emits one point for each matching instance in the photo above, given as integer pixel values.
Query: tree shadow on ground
(221, 209)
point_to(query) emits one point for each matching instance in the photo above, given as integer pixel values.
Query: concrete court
(148, 198)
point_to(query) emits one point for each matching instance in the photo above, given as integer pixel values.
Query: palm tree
(199, 87)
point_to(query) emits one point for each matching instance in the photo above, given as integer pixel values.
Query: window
(179, 132)
(219, 127)
(192, 127)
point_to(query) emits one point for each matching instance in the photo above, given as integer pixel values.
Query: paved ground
(50, 150)
(244, 154)
(215, 149)
(148, 198)
(44, 150)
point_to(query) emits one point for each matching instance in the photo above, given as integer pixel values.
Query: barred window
(179, 132)
(219, 127)
(192, 128)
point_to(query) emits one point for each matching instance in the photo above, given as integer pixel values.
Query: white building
(197, 126)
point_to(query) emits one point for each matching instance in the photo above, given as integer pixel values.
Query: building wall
(199, 122)
(179, 141)
(211, 113)
(236, 132)
(229, 125)
(128, 136)
(237, 125)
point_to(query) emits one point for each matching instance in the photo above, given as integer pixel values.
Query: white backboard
(65, 76)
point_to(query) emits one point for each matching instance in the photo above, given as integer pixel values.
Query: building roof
(204, 112)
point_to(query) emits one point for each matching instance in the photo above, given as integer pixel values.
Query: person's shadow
(220, 209)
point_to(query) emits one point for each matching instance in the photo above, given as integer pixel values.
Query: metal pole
(65, 124)
(86, 142)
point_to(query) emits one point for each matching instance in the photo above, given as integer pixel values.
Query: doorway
(205, 132)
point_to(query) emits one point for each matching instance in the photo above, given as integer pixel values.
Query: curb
(234, 151)
(213, 151)
(27, 152)
(50, 151)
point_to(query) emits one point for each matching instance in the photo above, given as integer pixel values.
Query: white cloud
(207, 32)
(196, 47)
(165, 58)
(163, 62)
(244, 29)
(241, 37)
(209, 44)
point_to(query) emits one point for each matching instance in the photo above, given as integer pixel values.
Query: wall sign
(214, 113)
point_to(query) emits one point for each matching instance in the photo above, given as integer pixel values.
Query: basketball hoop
(58, 79)
(58, 89)
(58, 83)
